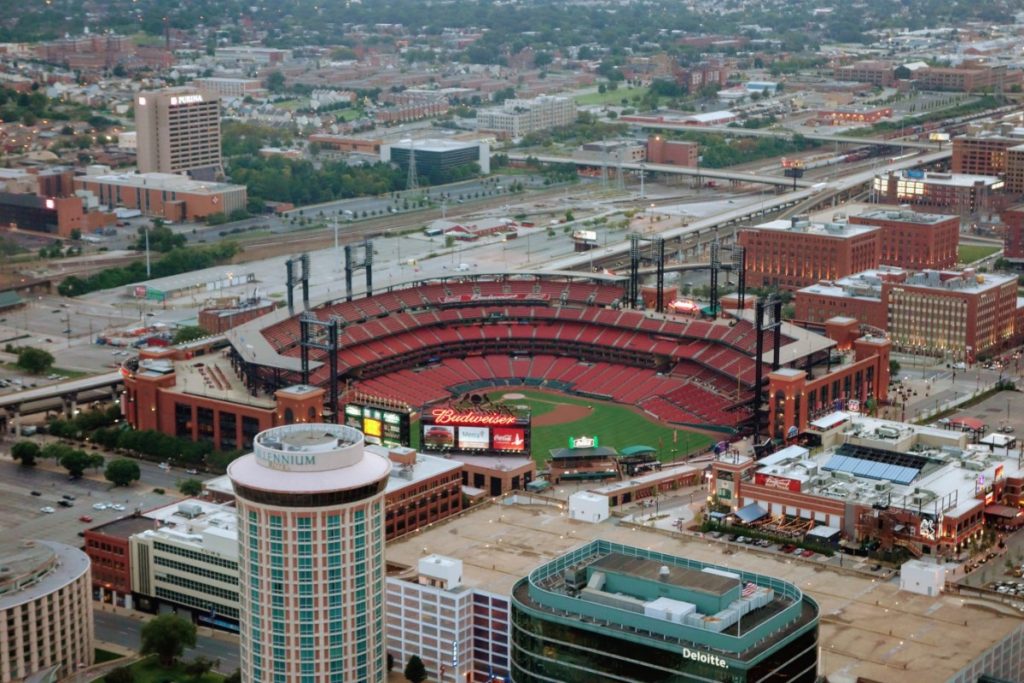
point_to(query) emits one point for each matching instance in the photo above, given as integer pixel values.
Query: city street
(126, 630)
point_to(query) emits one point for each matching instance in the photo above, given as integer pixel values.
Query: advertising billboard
(438, 437)
(480, 430)
(772, 482)
(506, 439)
(474, 438)
(381, 426)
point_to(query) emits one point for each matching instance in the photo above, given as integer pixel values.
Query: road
(126, 631)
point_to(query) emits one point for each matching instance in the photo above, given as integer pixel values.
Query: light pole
(148, 270)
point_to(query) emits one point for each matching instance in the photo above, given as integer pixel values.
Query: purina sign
(582, 442)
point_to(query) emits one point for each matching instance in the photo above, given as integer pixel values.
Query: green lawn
(613, 424)
(969, 253)
(148, 671)
(611, 96)
(106, 655)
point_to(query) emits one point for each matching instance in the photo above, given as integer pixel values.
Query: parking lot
(21, 514)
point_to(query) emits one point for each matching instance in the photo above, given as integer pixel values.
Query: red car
(85, 518)
(808, 553)
(788, 548)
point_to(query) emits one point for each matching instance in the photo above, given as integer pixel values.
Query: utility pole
(149, 273)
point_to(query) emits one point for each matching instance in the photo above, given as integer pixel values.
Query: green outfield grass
(613, 424)
(969, 253)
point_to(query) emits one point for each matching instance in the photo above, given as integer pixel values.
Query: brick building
(853, 115)
(982, 153)
(959, 193)
(913, 240)
(871, 72)
(222, 316)
(953, 315)
(205, 400)
(968, 77)
(796, 253)
(108, 547)
(1013, 238)
(676, 152)
(166, 195)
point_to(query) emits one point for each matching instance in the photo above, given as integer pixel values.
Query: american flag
(748, 590)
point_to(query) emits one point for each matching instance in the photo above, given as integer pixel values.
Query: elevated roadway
(744, 214)
(787, 134)
(64, 395)
(712, 173)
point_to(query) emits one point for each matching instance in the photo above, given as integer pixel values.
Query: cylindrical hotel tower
(311, 556)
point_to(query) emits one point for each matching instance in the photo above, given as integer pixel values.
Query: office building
(310, 506)
(516, 118)
(956, 315)
(983, 152)
(188, 560)
(913, 240)
(108, 546)
(968, 77)
(607, 611)
(959, 193)
(179, 132)
(231, 87)
(431, 616)
(675, 152)
(875, 73)
(897, 484)
(1013, 237)
(796, 253)
(435, 158)
(164, 195)
(46, 630)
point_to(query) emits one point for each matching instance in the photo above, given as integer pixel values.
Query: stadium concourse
(430, 340)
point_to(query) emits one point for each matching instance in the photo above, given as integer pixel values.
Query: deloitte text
(705, 658)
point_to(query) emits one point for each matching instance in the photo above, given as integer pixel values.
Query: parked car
(85, 518)
(68, 496)
(788, 548)
(36, 493)
(47, 509)
(99, 506)
(808, 553)
(65, 503)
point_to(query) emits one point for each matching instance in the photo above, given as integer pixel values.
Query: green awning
(639, 449)
(9, 299)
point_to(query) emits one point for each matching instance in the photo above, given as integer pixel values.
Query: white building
(431, 617)
(588, 507)
(191, 561)
(516, 118)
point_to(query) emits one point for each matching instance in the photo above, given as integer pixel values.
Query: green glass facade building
(608, 613)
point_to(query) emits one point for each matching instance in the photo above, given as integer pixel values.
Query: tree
(76, 234)
(75, 463)
(33, 360)
(96, 461)
(167, 636)
(187, 333)
(121, 674)
(122, 472)
(415, 671)
(190, 487)
(902, 72)
(391, 663)
(234, 677)
(274, 82)
(26, 452)
(198, 667)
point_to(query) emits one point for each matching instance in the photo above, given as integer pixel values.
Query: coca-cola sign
(770, 481)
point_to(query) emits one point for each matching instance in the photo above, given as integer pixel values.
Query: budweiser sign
(446, 416)
(772, 482)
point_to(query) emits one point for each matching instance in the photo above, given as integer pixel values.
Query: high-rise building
(46, 630)
(610, 612)
(311, 556)
(179, 132)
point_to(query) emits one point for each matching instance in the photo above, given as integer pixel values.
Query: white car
(47, 509)
(118, 507)
(99, 506)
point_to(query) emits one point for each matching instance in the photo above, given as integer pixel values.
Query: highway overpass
(787, 134)
(710, 173)
(742, 215)
(63, 395)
